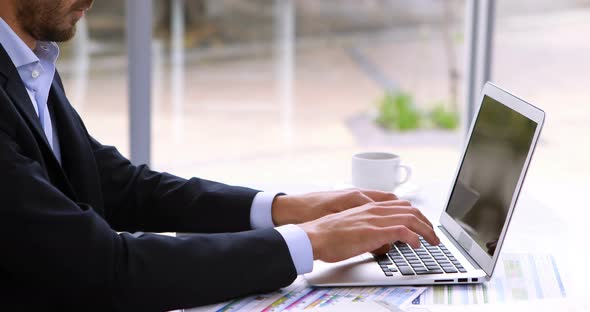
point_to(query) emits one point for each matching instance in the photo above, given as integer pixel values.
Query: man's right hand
(367, 228)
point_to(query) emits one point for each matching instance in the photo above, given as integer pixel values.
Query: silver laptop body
(480, 204)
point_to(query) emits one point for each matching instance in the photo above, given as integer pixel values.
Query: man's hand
(295, 209)
(343, 235)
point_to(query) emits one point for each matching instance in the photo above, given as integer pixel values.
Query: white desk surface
(549, 219)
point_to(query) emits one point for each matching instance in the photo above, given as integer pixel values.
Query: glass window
(286, 91)
(540, 54)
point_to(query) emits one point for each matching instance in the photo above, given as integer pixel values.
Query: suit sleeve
(59, 251)
(139, 199)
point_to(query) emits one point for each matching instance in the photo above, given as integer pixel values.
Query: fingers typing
(379, 196)
(409, 217)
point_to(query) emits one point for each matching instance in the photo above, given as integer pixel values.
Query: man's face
(51, 20)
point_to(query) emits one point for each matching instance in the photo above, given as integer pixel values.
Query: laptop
(477, 213)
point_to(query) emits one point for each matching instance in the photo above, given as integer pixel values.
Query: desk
(537, 227)
(548, 219)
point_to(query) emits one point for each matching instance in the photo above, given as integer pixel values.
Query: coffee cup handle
(408, 174)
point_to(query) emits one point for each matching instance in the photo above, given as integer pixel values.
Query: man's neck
(19, 31)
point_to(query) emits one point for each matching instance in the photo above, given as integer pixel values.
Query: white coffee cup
(378, 171)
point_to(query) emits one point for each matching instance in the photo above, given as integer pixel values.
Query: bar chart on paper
(517, 277)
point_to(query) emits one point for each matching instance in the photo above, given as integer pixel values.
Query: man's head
(50, 20)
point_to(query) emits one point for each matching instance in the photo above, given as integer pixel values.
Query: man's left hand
(295, 209)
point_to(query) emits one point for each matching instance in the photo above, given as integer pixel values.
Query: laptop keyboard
(427, 259)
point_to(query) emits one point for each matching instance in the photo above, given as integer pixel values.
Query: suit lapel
(15, 89)
(18, 94)
(79, 174)
(77, 157)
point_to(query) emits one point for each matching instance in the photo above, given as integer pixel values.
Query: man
(65, 198)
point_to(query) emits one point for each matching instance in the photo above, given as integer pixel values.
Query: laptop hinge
(460, 248)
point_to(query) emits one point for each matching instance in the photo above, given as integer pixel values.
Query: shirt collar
(47, 51)
(20, 53)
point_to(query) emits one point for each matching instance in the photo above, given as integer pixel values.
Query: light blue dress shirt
(296, 239)
(37, 69)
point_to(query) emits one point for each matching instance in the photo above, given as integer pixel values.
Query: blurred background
(284, 92)
(263, 91)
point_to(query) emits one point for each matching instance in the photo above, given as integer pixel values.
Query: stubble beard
(45, 20)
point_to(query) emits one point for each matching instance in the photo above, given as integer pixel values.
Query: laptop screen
(494, 158)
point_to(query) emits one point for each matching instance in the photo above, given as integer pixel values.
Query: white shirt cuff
(299, 247)
(261, 211)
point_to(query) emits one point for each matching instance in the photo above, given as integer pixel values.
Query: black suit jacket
(58, 224)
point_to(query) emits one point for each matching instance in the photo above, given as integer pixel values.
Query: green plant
(441, 118)
(398, 112)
